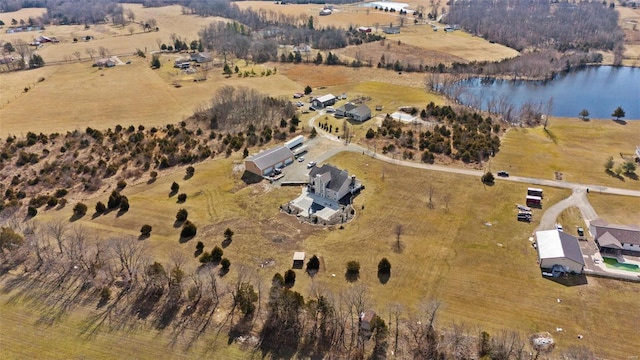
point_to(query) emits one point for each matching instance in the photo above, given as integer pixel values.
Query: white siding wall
(548, 264)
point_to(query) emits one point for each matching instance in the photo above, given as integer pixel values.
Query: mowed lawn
(576, 148)
(474, 257)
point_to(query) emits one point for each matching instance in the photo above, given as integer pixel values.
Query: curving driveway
(577, 199)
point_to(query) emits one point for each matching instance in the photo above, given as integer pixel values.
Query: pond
(599, 89)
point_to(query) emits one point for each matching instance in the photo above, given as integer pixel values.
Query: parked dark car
(503, 173)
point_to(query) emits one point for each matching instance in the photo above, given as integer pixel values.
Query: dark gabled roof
(361, 110)
(270, 157)
(338, 177)
(624, 234)
(347, 107)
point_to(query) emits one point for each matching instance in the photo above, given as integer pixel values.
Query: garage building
(558, 250)
(264, 162)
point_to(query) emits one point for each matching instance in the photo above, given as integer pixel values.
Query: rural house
(342, 110)
(105, 62)
(360, 113)
(302, 48)
(201, 57)
(391, 30)
(324, 100)
(615, 239)
(366, 319)
(559, 252)
(266, 161)
(331, 183)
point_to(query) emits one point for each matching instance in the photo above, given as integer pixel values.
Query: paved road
(577, 199)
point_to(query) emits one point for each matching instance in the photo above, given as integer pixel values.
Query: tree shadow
(173, 193)
(151, 181)
(121, 212)
(76, 217)
(226, 242)
(551, 135)
(222, 272)
(184, 239)
(351, 276)
(178, 223)
(312, 272)
(397, 247)
(96, 215)
(145, 302)
(144, 236)
(384, 277)
(198, 252)
(242, 328)
(632, 176)
(619, 121)
(181, 201)
(187, 176)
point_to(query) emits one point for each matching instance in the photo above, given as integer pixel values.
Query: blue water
(600, 90)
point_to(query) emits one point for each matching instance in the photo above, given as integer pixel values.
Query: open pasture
(576, 148)
(466, 250)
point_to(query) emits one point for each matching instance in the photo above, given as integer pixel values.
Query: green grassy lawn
(576, 148)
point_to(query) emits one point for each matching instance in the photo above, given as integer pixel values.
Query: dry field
(392, 51)
(573, 147)
(630, 22)
(473, 257)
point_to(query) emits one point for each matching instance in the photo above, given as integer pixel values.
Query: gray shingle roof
(270, 157)
(556, 244)
(347, 107)
(624, 234)
(361, 110)
(338, 177)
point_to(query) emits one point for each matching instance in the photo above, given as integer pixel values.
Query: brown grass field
(573, 147)
(485, 276)
(470, 254)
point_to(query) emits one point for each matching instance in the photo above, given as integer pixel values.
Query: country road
(577, 199)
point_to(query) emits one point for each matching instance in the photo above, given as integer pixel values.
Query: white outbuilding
(265, 162)
(559, 252)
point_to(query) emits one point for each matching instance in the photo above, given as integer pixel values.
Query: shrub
(225, 264)
(228, 234)
(124, 204)
(153, 174)
(105, 294)
(145, 230)
(313, 264)
(384, 266)
(188, 230)
(353, 268)
(121, 184)
(52, 201)
(61, 193)
(487, 178)
(370, 134)
(182, 197)
(190, 171)
(32, 211)
(289, 278)
(216, 254)
(100, 207)
(205, 258)
(199, 246)
(175, 187)
(277, 280)
(79, 210)
(182, 215)
(114, 200)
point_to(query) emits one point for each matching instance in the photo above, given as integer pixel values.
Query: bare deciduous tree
(91, 52)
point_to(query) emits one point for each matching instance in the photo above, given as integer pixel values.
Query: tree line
(531, 26)
(70, 266)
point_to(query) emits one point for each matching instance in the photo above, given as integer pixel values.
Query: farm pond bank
(599, 89)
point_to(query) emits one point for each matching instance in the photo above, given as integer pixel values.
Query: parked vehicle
(311, 164)
(559, 227)
(580, 231)
(301, 159)
(503, 173)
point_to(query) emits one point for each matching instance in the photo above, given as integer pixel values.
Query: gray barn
(264, 162)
